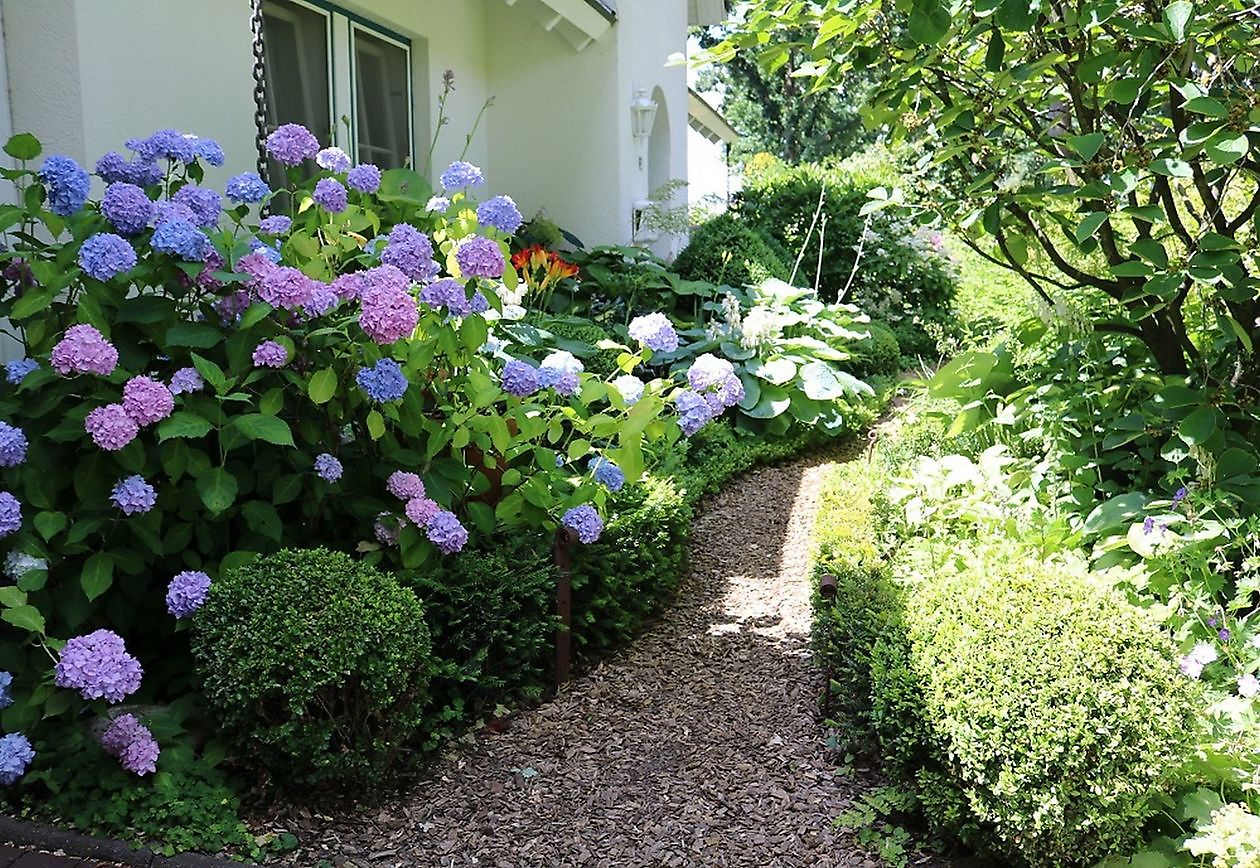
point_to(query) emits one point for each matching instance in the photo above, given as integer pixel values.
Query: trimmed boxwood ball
(588, 334)
(1042, 716)
(726, 251)
(316, 665)
(879, 354)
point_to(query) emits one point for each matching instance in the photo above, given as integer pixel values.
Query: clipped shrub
(728, 251)
(878, 355)
(1040, 714)
(623, 578)
(315, 665)
(489, 613)
(582, 339)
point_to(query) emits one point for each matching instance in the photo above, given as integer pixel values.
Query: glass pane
(296, 40)
(382, 77)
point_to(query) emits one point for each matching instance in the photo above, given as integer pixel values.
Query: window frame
(326, 11)
(399, 41)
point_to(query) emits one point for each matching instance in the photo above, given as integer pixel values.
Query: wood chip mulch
(699, 745)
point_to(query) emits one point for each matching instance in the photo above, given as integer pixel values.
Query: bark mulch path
(699, 745)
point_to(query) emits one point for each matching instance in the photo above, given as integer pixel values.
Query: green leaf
(98, 575)
(1087, 146)
(1117, 512)
(1177, 16)
(49, 524)
(473, 332)
(210, 372)
(1227, 147)
(774, 402)
(323, 386)
(996, 52)
(1205, 105)
(1017, 15)
(32, 302)
(1198, 426)
(25, 618)
(23, 146)
(257, 426)
(217, 488)
(929, 21)
(1089, 225)
(376, 425)
(183, 423)
(263, 518)
(192, 334)
(11, 596)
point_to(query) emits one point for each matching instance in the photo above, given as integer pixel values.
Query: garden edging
(23, 833)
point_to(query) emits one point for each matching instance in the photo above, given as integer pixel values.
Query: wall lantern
(642, 114)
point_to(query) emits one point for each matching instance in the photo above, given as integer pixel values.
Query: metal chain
(260, 85)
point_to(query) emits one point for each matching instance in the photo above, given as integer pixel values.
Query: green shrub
(877, 355)
(726, 250)
(622, 579)
(316, 665)
(582, 337)
(719, 451)
(1040, 713)
(489, 612)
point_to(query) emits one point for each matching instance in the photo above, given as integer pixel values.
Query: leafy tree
(763, 98)
(1090, 144)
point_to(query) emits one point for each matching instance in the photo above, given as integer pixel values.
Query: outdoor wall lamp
(642, 114)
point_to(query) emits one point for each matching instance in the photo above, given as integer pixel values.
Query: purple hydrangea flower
(421, 510)
(693, 411)
(6, 682)
(479, 303)
(276, 224)
(247, 187)
(630, 387)
(386, 528)
(323, 299)
(365, 177)
(585, 521)
(405, 485)
(132, 744)
(388, 310)
(445, 532)
(186, 381)
(1223, 634)
(12, 445)
(16, 754)
(715, 379)
(480, 257)
(290, 144)
(349, 287)
(204, 203)
(84, 350)
(437, 204)
(66, 183)
(409, 250)
(330, 195)
(267, 251)
(110, 427)
(327, 467)
(520, 378)
(99, 667)
(181, 238)
(127, 207)
(187, 592)
(655, 332)
(106, 255)
(17, 370)
(607, 473)
(501, 213)
(559, 371)
(113, 168)
(286, 287)
(383, 382)
(270, 354)
(133, 495)
(10, 514)
(147, 400)
(449, 294)
(333, 159)
(460, 175)
(174, 145)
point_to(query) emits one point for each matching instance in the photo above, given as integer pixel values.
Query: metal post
(562, 557)
(827, 590)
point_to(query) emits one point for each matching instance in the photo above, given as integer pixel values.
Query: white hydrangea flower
(18, 564)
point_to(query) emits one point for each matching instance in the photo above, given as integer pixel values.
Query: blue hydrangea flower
(247, 187)
(181, 238)
(365, 177)
(327, 467)
(448, 294)
(291, 144)
(113, 168)
(630, 387)
(186, 381)
(17, 370)
(585, 521)
(210, 151)
(655, 332)
(16, 754)
(607, 473)
(333, 159)
(330, 195)
(501, 213)
(187, 592)
(166, 144)
(276, 224)
(12, 445)
(479, 303)
(66, 183)
(106, 255)
(460, 175)
(411, 252)
(6, 682)
(10, 514)
(383, 382)
(204, 203)
(693, 411)
(133, 495)
(271, 251)
(559, 371)
(127, 207)
(519, 378)
(445, 532)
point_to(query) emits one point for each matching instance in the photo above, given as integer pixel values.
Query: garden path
(698, 745)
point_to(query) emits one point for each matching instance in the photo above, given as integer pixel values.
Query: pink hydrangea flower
(147, 401)
(405, 485)
(84, 350)
(389, 313)
(111, 427)
(421, 510)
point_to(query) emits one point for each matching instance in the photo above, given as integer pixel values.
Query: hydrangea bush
(206, 382)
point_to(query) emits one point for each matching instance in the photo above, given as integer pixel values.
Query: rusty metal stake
(562, 557)
(827, 590)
